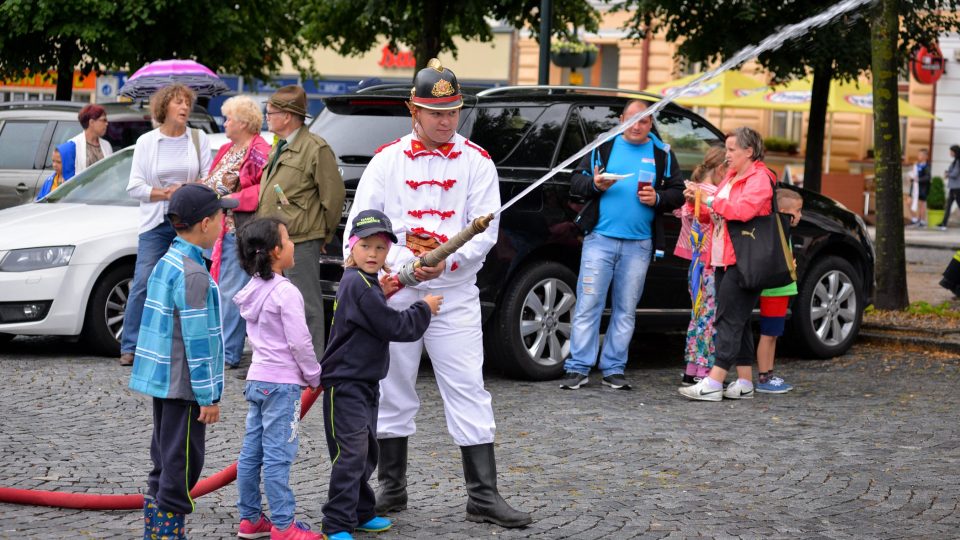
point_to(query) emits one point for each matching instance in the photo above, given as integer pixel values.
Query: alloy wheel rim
(546, 321)
(115, 306)
(833, 308)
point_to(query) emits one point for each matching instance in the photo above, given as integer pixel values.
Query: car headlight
(25, 260)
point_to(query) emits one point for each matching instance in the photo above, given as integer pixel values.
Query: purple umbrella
(156, 75)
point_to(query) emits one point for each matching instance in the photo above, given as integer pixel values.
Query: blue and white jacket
(180, 347)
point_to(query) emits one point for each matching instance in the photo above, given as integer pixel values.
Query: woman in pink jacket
(745, 193)
(236, 173)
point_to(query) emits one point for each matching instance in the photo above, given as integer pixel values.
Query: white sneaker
(700, 392)
(738, 391)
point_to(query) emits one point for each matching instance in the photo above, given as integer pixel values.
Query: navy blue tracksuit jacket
(356, 359)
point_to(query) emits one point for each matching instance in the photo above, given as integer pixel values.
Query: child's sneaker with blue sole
(377, 524)
(773, 385)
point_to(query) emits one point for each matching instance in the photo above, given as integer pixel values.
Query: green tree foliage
(428, 27)
(246, 37)
(709, 31)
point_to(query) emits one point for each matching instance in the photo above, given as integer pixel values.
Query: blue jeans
(232, 279)
(151, 247)
(271, 442)
(604, 261)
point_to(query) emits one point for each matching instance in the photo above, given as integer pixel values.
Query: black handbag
(762, 248)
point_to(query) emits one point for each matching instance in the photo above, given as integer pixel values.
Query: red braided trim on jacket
(483, 152)
(446, 184)
(444, 214)
(420, 231)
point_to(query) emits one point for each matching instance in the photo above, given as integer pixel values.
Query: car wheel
(531, 330)
(829, 308)
(103, 323)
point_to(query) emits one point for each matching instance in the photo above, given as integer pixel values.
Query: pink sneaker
(260, 529)
(296, 531)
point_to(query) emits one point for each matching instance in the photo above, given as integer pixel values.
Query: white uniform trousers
(454, 341)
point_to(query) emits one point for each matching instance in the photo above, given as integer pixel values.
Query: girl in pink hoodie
(284, 362)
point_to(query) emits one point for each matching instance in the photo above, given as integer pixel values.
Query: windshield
(104, 183)
(354, 138)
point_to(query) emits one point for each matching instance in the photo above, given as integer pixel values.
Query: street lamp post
(543, 76)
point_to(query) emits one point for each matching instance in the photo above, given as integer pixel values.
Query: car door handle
(21, 187)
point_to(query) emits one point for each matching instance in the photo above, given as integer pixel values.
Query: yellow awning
(720, 91)
(854, 98)
(845, 97)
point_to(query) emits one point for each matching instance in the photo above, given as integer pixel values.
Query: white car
(66, 262)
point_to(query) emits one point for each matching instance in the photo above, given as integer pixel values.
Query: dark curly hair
(255, 240)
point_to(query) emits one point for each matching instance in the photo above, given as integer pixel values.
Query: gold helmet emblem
(442, 88)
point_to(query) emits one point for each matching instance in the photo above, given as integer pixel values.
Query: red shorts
(773, 315)
(774, 306)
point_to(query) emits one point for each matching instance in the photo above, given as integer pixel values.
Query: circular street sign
(927, 65)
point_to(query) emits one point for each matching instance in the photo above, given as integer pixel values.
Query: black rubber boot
(392, 475)
(484, 502)
(951, 275)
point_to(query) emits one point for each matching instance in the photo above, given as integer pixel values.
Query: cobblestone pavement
(865, 447)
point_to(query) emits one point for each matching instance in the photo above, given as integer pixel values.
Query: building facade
(636, 65)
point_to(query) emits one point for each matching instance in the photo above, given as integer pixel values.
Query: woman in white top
(91, 146)
(163, 160)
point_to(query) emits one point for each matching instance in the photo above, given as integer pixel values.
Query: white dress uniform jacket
(436, 193)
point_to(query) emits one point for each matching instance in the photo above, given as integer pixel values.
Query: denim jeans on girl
(270, 442)
(604, 262)
(232, 279)
(151, 247)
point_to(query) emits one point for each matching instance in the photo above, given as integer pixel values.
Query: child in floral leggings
(699, 353)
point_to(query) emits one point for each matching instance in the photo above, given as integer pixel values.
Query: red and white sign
(790, 97)
(398, 60)
(927, 65)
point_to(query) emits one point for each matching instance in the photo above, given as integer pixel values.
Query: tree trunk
(428, 45)
(820, 93)
(891, 267)
(66, 58)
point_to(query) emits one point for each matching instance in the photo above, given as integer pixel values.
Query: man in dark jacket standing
(628, 182)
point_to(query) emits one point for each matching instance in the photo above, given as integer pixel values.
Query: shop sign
(789, 97)
(927, 65)
(80, 82)
(398, 60)
(696, 91)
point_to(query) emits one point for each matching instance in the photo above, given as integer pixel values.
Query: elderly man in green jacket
(302, 186)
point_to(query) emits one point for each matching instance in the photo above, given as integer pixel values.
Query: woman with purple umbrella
(163, 160)
(156, 75)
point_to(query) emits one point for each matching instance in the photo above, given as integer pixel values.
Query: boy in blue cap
(179, 359)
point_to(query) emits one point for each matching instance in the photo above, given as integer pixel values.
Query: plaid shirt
(180, 347)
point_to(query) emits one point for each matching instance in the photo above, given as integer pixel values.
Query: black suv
(528, 281)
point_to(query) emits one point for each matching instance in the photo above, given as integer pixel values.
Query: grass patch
(943, 309)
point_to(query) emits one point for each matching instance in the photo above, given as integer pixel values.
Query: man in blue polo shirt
(628, 182)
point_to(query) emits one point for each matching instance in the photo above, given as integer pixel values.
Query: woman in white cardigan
(163, 160)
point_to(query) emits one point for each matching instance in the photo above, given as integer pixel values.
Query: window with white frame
(786, 125)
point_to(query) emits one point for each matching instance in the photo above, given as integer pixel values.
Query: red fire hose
(89, 501)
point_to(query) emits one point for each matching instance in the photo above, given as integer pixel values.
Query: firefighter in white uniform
(432, 183)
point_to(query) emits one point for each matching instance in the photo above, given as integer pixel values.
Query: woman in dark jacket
(953, 185)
